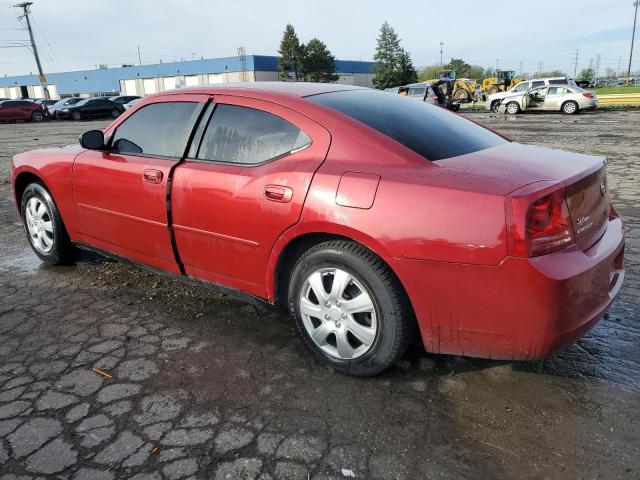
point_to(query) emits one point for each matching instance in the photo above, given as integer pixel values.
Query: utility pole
(633, 37)
(497, 64)
(139, 57)
(597, 69)
(43, 80)
(441, 62)
(521, 74)
(575, 64)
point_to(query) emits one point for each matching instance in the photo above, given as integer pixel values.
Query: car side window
(558, 81)
(521, 87)
(160, 129)
(537, 83)
(248, 136)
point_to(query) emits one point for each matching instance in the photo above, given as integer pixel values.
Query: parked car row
(73, 108)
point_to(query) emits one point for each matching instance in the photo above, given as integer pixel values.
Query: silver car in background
(559, 98)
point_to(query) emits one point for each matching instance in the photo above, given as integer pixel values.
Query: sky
(79, 34)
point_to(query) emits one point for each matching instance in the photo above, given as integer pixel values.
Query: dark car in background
(45, 102)
(91, 108)
(12, 110)
(63, 103)
(122, 99)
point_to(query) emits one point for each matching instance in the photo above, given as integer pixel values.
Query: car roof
(298, 89)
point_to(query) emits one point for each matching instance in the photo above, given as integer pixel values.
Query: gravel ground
(203, 386)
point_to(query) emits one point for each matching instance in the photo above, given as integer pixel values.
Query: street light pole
(441, 63)
(633, 37)
(43, 80)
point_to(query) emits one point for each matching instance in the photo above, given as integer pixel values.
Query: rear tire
(512, 108)
(43, 225)
(492, 89)
(37, 117)
(363, 342)
(570, 107)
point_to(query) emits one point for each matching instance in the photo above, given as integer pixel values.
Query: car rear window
(558, 81)
(428, 130)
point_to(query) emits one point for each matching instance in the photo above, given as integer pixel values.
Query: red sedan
(367, 215)
(12, 110)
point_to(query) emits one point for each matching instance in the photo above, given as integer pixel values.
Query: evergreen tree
(393, 65)
(318, 65)
(291, 53)
(386, 67)
(408, 73)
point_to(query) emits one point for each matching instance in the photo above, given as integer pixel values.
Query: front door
(243, 185)
(121, 193)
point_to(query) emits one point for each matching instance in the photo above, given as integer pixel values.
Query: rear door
(243, 184)
(121, 194)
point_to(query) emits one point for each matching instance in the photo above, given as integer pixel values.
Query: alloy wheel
(338, 313)
(37, 117)
(512, 108)
(39, 225)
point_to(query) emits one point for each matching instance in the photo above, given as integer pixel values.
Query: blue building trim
(108, 80)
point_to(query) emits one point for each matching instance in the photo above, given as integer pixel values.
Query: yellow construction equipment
(464, 89)
(502, 81)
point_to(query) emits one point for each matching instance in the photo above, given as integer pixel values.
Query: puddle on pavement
(24, 261)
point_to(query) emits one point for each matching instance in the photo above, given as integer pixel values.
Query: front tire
(43, 225)
(512, 108)
(495, 105)
(37, 117)
(115, 113)
(349, 307)
(570, 108)
(461, 95)
(76, 115)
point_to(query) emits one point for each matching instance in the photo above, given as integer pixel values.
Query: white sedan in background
(559, 98)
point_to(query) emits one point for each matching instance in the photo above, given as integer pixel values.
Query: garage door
(149, 85)
(169, 83)
(129, 87)
(192, 81)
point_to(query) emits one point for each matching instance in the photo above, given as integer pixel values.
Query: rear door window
(159, 129)
(248, 136)
(428, 130)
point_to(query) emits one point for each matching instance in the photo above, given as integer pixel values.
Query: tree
(290, 54)
(393, 65)
(460, 66)
(586, 74)
(407, 72)
(318, 65)
(430, 72)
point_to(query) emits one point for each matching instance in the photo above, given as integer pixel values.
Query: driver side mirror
(92, 140)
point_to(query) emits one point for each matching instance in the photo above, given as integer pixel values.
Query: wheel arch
(290, 247)
(22, 180)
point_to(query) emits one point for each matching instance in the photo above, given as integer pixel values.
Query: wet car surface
(196, 384)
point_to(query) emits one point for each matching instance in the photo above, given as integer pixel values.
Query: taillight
(434, 98)
(540, 227)
(588, 94)
(613, 213)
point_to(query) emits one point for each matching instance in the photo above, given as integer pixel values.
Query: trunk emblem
(603, 189)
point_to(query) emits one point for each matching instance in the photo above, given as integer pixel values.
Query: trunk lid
(588, 202)
(512, 166)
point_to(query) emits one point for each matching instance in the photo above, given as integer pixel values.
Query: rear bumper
(522, 309)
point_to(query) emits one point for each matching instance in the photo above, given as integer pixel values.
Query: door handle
(278, 193)
(152, 176)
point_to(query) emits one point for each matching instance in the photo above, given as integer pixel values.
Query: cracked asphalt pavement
(198, 385)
